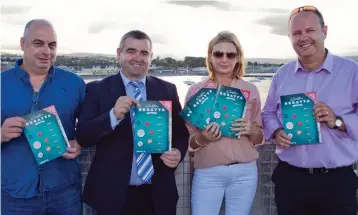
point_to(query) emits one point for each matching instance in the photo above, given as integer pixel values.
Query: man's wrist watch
(338, 123)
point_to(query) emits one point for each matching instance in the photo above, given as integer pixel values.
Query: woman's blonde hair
(226, 36)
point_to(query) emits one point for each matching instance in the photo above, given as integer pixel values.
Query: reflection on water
(262, 85)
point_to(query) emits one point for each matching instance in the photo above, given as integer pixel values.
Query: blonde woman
(226, 167)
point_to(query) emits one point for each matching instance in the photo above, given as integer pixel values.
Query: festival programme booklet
(152, 129)
(45, 134)
(188, 115)
(298, 119)
(201, 104)
(230, 104)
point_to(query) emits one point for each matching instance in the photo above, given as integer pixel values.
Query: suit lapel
(117, 87)
(117, 90)
(152, 89)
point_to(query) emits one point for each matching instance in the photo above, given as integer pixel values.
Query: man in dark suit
(120, 181)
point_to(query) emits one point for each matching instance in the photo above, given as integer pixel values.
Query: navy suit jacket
(108, 177)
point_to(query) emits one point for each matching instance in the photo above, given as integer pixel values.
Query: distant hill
(258, 60)
(9, 54)
(279, 61)
(355, 58)
(79, 54)
(269, 60)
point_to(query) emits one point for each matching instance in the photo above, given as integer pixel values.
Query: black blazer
(108, 177)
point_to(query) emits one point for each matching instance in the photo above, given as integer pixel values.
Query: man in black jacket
(120, 181)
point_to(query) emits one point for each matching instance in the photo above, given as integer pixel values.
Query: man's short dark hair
(320, 16)
(135, 34)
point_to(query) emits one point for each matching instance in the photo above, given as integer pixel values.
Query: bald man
(33, 84)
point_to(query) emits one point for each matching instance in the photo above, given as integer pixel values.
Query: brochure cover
(188, 115)
(153, 126)
(230, 104)
(201, 103)
(298, 119)
(45, 134)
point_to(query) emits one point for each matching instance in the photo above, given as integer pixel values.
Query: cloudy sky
(178, 28)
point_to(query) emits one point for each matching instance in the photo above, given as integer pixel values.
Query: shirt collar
(21, 73)
(126, 80)
(327, 64)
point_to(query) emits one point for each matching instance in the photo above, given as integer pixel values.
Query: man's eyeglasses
(229, 55)
(303, 8)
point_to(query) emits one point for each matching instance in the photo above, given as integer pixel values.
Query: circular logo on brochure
(207, 120)
(140, 133)
(48, 148)
(150, 141)
(217, 115)
(140, 143)
(37, 145)
(289, 125)
(40, 155)
(290, 135)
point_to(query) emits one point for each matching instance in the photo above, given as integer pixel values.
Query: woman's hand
(242, 126)
(211, 132)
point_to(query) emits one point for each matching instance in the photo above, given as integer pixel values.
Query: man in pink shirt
(315, 178)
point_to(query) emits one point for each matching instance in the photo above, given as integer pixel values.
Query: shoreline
(91, 76)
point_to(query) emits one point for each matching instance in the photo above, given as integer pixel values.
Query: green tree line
(90, 61)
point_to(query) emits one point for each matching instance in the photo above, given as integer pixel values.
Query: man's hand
(171, 158)
(242, 126)
(282, 139)
(211, 132)
(12, 128)
(73, 151)
(324, 114)
(122, 106)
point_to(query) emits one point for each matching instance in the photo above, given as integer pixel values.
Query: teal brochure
(45, 134)
(201, 103)
(298, 120)
(188, 115)
(230, 104)
(152, 129)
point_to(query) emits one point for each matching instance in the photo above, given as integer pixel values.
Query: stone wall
(264, 203)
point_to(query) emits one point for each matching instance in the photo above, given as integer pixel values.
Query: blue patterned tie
(144, 160)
